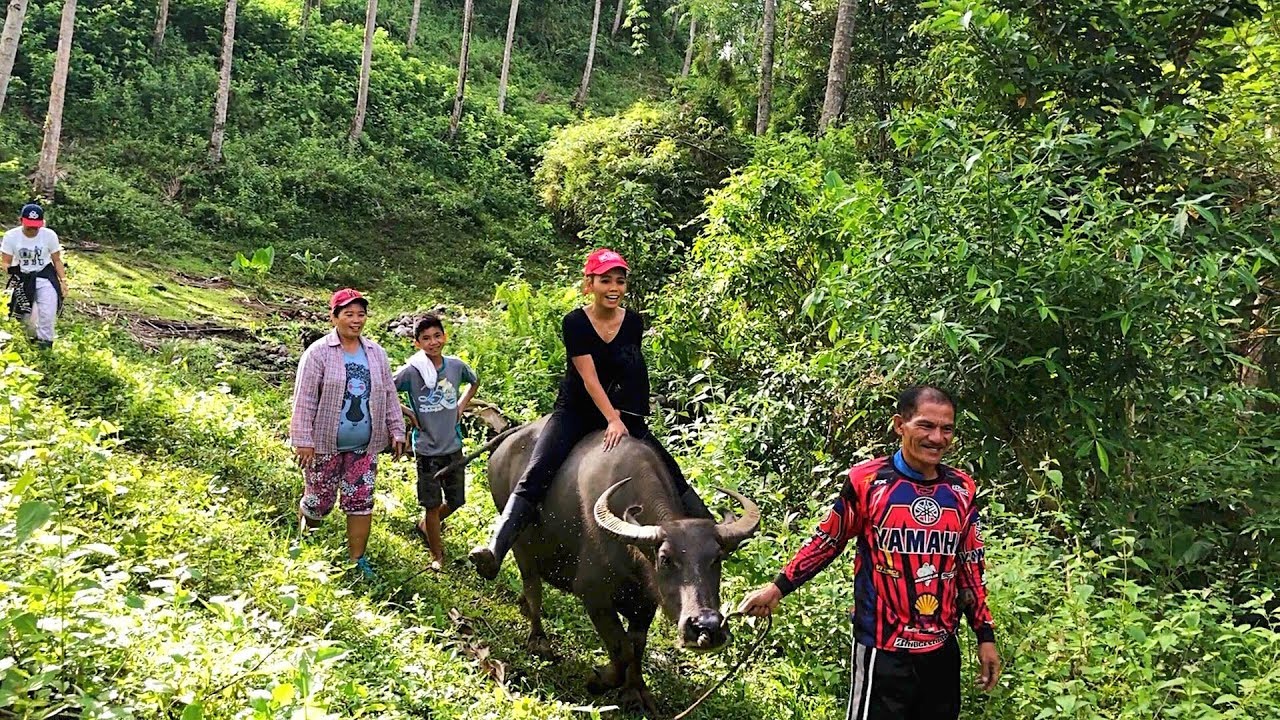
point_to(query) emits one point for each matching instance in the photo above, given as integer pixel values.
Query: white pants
(43, 311)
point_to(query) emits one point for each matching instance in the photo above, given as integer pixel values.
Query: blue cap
(32, 215)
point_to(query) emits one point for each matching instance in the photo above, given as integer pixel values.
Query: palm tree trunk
(224, 84)
(47, 172)
(617, 18)
(838, 70)
(764, 105)
(162, 21)
(307, 6)
(366, 63)
(413, 23)
(506, 56)
(463, 56)
(9, 43)
(688, 51)
(581, 99)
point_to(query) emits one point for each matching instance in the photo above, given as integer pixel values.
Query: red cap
(344, 297)
(602, 261)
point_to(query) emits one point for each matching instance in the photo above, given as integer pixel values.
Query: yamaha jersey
(918, 545)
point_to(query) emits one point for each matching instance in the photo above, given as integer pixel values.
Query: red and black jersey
(918, 546)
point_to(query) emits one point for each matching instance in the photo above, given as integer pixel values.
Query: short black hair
(910, 399)
(428, 321)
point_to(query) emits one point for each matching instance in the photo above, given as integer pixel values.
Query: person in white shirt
(32, 256)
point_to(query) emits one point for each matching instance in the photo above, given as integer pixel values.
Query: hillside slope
(460, 214)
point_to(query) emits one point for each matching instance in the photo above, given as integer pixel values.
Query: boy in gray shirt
(432, 381)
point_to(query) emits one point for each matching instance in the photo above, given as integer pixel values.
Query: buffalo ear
(632, 514)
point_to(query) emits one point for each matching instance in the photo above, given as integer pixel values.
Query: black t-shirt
(619, 365)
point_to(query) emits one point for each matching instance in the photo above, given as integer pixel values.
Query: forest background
(1064, 211)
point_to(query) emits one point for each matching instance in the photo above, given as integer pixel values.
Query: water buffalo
(613, 532)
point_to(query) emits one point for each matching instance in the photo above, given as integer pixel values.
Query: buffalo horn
(733, 532)
(626, 532)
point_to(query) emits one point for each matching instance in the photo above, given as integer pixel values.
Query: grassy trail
(181, 588)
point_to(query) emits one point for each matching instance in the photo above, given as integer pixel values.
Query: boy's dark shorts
(453, 486)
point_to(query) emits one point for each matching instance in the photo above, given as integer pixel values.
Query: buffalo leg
(634, 690)
(616, 643)
(623, 670)
(531, 602)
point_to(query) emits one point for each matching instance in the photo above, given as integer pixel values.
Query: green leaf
(32, 515)
(25, 624)
(1126, 320)
(1146, 125)
(329, 652)
(1104, 461)
(1140, 563)
(194, 711)
(1136, 252)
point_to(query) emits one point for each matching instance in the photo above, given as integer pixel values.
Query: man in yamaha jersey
(919, 566)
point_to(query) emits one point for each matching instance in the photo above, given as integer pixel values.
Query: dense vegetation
(1064, 211)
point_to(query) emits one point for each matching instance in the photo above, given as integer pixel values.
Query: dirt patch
(216, 281)
(151, 331)
(288, 309)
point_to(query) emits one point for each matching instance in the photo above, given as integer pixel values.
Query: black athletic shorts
(453, 486)
(889, 685)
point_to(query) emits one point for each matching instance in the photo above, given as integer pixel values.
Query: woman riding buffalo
(606, 387)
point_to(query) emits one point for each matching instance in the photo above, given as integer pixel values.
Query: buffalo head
(687, 555)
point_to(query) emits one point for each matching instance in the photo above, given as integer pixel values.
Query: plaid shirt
(318, 393)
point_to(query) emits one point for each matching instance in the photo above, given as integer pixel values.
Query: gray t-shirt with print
(438, 430)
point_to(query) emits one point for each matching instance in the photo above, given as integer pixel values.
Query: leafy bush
(811, 298)
(635, 182)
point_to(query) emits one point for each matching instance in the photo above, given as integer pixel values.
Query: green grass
(131, 285)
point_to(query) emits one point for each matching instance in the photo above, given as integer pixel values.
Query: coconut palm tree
(581, 98)
(162, 21)
(224, 83)
(47, 172)
(838, 69)
(764, 105)
(506, 55)
(9, 43)
(366, 63)
(463, 54)
(413, 23)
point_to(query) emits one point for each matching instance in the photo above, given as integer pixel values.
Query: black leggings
(562, 432)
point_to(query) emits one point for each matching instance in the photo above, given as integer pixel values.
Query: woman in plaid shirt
(345, 412)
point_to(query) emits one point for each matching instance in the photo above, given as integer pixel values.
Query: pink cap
(602, 261)
(346, 296)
